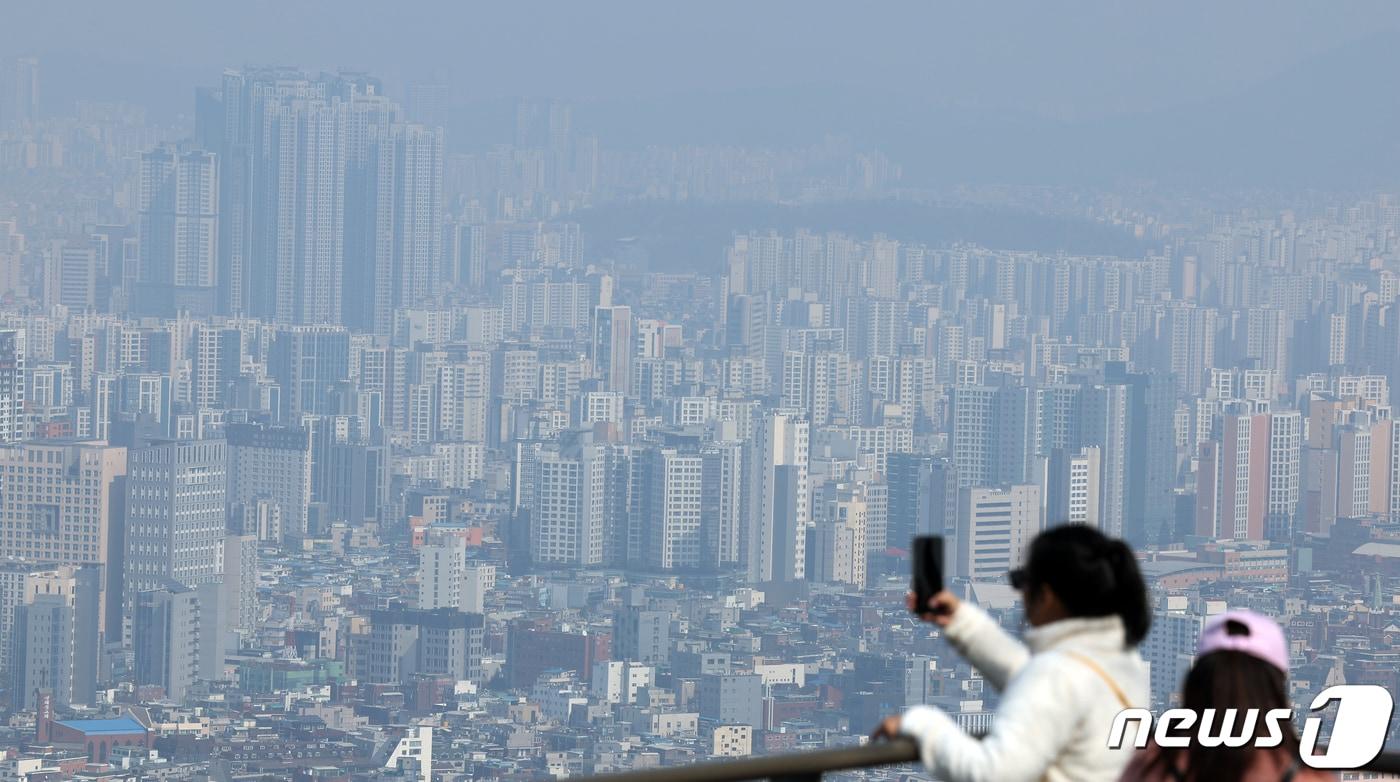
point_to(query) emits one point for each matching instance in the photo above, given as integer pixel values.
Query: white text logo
(1358, 730)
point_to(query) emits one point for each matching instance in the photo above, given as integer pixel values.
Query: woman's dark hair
(1092, 575)
(1222, 680)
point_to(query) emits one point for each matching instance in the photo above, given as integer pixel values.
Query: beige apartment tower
(63, 503)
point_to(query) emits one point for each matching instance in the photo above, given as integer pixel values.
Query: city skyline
(347, 434)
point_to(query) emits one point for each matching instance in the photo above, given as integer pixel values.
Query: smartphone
(927, 553)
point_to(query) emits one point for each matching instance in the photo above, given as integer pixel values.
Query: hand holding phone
(927, 554)
(939, 609)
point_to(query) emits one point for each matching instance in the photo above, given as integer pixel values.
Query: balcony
(809, 766)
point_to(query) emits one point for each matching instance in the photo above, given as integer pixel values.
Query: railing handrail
(798, 765)
(792, 764)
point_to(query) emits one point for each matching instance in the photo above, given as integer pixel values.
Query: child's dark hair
(1092, 575)
(1228, 679)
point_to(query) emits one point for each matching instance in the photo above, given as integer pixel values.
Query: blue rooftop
(104, 727)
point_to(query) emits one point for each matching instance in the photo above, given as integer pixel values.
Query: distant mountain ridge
(1316, 124)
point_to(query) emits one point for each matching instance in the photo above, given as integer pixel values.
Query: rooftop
(1378, 549)
(119, 725)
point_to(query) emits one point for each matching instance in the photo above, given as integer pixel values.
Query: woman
(1087, 607)
(1241, 663)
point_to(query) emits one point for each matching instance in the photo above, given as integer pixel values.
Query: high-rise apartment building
(840, 523)
(179, 231)
(1171, 646)
(63, 503)
(672, 503)
(282, 137)
(1387, 443)
(272, 465)
(461, 395)
(568, 517)
(613, 347)
(175, 515)
(1151, 466)
(41, 650)
(819, 384)
(332, 206)
(995, 525)
(12, 246)
(993, 436)
(1248, 481)
(442, 564)
(478, 581)
(166, 638)
(746, 325)
(923, 498)
(416, 258)
(53, 639)
(215, 366)
(21, 581)
(118, 252)
(350, 470)
(22, 106)
(1282, 503)
(775, 522)
(306, 361)
(393, 252)
(239, 597)
(71, 275)
(12, 386)
(1104, 423)
(1188, 342)
(49, 620)
(300, 240)
(1072, 492)
(724, 503)
(467, 250)
(369, 209)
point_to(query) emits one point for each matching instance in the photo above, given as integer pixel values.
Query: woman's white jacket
(1057, 706)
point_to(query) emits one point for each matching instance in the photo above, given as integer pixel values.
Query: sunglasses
(1019, 578)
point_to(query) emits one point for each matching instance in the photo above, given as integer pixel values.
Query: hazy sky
(1066, 62)
(1083, 58)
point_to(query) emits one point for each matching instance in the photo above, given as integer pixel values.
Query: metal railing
(809, 766)
(791, 767)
